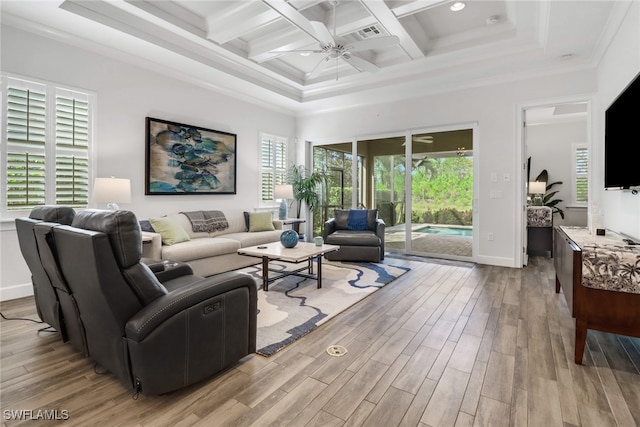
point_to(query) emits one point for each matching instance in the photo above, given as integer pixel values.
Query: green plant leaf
(543, 176)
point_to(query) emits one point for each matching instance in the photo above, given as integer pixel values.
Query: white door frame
(521, 220)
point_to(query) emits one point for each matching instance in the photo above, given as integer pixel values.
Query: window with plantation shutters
(48, 142)
(580, 174)
(72, 151)
(273, 166)
(26, 144)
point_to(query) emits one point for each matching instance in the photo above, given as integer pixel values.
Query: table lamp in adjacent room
(537, 188)
(283, 192)
(112, 191)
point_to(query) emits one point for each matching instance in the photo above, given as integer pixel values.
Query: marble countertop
(582, 236)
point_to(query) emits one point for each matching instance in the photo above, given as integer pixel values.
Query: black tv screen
(622, 139)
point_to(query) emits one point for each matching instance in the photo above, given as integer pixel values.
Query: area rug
(294, 306)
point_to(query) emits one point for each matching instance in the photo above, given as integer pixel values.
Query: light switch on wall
(506, 177)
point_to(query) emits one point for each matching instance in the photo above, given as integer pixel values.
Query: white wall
(550, 146)
(619, 66)
(494, 108)
(126, 95)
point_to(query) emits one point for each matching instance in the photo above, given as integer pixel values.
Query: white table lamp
(537, 188)
(112, 191)
(283, 192)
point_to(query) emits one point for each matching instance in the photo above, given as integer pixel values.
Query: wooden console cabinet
(599, 309)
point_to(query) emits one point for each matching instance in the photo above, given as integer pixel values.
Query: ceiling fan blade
(360, 64)
(374, 43)
(319, 68)
(322, 33)
(427, 139)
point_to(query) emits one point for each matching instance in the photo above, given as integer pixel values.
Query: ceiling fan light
(457, 6)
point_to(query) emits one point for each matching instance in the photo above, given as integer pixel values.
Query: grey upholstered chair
(358, 232)
(156, 337)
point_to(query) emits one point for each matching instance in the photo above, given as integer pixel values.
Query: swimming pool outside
(444, 230)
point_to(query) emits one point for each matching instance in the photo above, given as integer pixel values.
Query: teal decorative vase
(289, 238)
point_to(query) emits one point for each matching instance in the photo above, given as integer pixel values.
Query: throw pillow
(246, 221)
(170, 230)
(261, 221)
(357, 220)
(146, 226)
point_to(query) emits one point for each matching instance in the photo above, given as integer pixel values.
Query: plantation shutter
(581, 173)
(26, 130)
(280, 161)
(267, 176)
(46, 145)
(72, 151)
(273, 166)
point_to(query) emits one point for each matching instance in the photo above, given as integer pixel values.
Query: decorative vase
(289, 239)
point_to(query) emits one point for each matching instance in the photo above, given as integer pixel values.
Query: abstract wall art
(186, 159)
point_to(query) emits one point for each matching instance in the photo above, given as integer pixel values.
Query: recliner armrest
(329, 227)
(161, 309)
(380, 228)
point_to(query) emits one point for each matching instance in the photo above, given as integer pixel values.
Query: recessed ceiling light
(305, 53)
(457, 6)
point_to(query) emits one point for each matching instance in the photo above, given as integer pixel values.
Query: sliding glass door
(426, 202)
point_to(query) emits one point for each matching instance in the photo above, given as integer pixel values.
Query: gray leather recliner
(156, 337)
(46, 298)
(358, 242)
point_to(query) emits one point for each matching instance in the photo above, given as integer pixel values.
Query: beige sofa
(215, 252)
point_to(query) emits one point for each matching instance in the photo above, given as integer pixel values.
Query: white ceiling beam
(225, 33)
(304, 4)
(381, 12)
(292, 16)
(406, 9)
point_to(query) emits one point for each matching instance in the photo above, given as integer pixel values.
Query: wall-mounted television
(622, 139)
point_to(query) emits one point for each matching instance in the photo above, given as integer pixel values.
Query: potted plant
(305, 186)
(553, 204)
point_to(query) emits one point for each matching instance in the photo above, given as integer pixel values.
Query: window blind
(26, 138)
(72, 152)
(581, 174)
(273, 165)
(48, 142)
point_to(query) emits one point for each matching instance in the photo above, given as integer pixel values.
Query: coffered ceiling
(241, 46)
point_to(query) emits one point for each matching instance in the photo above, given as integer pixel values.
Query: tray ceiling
(237, 45)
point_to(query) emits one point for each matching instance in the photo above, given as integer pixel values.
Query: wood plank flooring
(447, 344)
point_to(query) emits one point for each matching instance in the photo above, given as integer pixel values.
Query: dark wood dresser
(600, 278)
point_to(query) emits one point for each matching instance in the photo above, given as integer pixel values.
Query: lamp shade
(537, 187)
(112, 190)
(284, 191)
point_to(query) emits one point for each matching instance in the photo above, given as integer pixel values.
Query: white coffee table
(304, 251)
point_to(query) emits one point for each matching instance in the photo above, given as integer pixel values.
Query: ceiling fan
(334, 48)
(424, 139)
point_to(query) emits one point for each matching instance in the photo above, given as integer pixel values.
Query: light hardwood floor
(447, 344)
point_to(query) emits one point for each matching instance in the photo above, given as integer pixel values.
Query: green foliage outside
(442, 188)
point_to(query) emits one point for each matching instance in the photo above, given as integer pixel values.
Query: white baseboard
(16, 291)
(497, 261)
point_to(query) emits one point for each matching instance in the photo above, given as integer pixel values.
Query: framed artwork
(186, 159)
